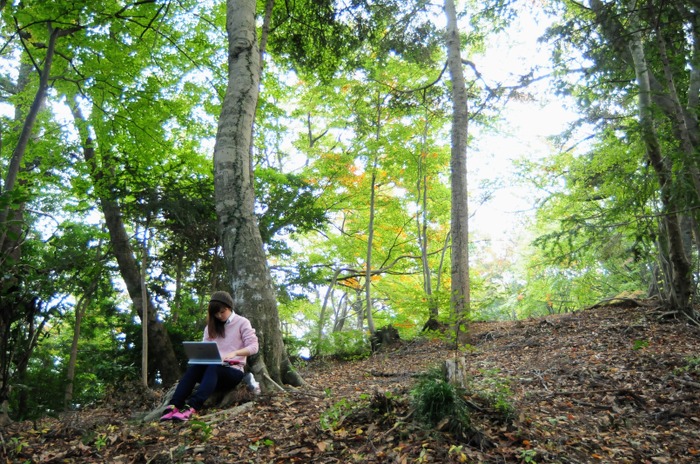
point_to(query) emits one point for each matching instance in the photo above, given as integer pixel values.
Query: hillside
(608, 384)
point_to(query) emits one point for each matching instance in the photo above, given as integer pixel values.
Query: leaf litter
(610, 384)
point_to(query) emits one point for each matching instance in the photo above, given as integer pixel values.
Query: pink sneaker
(170, 411)
(185, 414)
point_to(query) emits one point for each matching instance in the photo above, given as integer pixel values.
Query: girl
(236, 340)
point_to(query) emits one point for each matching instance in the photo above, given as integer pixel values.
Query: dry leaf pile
(613, 384)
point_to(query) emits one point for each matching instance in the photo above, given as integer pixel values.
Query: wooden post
(455, 370)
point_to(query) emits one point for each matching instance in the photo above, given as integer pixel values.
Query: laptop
(202, 353)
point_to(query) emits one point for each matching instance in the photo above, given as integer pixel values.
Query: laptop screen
(202, 352)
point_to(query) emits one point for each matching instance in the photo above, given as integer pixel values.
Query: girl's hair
(216, 327)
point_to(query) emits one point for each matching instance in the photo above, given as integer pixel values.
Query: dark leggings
(210, 377)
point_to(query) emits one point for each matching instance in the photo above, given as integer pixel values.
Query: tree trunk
(458, 167)
(73, 356)
(27, 128)
(341, 313)
(144, 308)
(681, 277)
(324, 306)
(368, 258)
(162, 355)
(11, 225)
(422, 228)
(251, 281)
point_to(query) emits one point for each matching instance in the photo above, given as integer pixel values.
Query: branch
(417, 89)
(218, 416)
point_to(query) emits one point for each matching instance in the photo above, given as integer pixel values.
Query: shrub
(439, 403)
(347, 345)
(495, 390)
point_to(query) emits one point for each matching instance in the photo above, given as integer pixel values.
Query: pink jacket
(238, 334)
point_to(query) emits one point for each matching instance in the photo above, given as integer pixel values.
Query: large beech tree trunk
(251, 281)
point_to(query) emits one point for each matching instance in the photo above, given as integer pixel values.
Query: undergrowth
(436, 400)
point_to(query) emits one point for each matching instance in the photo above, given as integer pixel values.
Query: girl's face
(223, 314)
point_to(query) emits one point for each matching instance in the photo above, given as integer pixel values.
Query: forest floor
(611, 384)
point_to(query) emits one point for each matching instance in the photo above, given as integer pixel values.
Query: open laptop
(202, 353)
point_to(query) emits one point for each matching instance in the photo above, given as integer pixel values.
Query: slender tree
(458, 168)
(647, 53)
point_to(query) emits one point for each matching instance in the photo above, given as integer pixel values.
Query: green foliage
(495, 390)
(321, 37)
(260, 443)
(588, 247)
(640, 344)
(333, 417)
(347, 345)
(692, 364)
(435, 400)
(528, 456)
(438, 402)
(288, 206)
(100, 437)
(294, 346)
(103, 363)
(201, 430)
(15, 447)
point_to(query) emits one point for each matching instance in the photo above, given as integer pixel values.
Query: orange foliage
(404, 325)
(351, 282)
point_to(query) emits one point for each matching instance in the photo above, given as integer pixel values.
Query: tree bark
(460, 299)
(251, 282)
(73, 356)
(627, 41)
(11, 225)
(681, 277)
(162, 355)
(422, 227)
(370, 240)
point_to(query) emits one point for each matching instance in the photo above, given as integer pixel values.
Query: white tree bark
(458, 168)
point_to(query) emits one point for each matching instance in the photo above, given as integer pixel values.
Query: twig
(540, 375)
(591, 405)
(692, 319)
(314, 394)
(572, 392)
(398, 422)
(689, 383)
(226, 412)
(269, 382)
(394, 374)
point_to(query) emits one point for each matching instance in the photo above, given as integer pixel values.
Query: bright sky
(524, 132)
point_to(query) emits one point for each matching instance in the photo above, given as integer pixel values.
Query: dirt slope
(612, 384)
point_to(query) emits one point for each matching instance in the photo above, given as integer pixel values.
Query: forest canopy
(107, 129)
